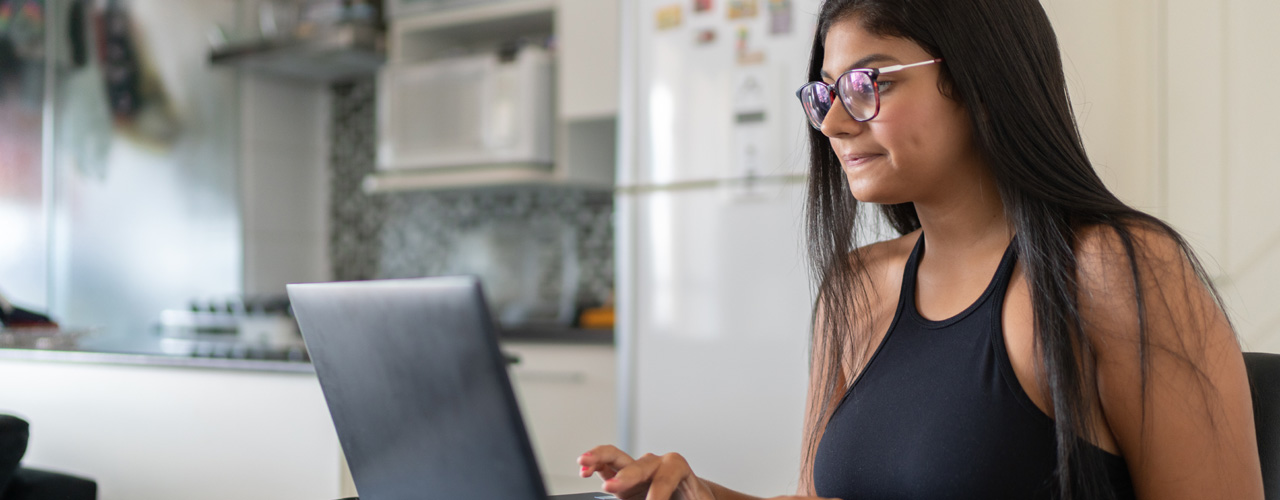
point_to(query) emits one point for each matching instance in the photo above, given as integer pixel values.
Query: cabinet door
(587, 37)
(567, 398)
(465, 112)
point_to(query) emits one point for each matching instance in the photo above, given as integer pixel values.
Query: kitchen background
(537, 246)
(167, 166)
(86, 251)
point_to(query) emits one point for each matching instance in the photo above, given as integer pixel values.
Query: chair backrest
(1264, 380)
(13, 444)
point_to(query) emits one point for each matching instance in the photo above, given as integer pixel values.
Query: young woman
(1028, 335)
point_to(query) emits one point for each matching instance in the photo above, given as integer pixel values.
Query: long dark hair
(1001, 61)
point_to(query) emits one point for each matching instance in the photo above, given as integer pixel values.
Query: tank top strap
(907, 292)
(1004, 272)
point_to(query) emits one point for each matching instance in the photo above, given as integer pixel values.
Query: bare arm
(1189, 433)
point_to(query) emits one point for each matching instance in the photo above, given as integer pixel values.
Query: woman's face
(920, 144)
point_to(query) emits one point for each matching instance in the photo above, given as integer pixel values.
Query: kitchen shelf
(341, 53)
(482, 15)
(426, 179)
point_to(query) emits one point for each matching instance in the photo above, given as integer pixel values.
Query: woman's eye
(883, 85)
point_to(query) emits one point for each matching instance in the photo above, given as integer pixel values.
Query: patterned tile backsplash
(542, 252)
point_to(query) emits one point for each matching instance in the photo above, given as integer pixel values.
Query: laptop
(418, 390)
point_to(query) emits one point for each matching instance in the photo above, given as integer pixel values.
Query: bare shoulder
(1115, 268)
(1170, 376)
(1106, 252)
(885, 261)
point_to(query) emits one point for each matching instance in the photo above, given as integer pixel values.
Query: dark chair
(21, 483)
(1264, 381)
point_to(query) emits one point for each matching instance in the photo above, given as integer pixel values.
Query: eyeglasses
(857, 88)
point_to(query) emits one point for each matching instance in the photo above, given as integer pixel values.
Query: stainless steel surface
(147, 208)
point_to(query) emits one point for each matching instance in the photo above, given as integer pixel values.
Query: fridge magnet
(739, 9)
(779, 17)
(706, 36)
(750, 57)
(750, 129)
(749, 97)
(669, 17)
(702, 5)
(746, 55)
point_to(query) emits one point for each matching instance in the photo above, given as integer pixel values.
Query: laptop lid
(418, 389)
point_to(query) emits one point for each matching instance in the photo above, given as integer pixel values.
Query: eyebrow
(862, 63)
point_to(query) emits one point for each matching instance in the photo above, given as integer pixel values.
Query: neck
(968, 218)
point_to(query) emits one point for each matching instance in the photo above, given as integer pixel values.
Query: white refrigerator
(713, 293)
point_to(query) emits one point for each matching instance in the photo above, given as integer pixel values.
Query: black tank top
(939, 413)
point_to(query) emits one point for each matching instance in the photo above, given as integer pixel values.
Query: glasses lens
(817, 100)
(858, 92)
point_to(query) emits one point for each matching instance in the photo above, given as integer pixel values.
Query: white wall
(284, 182)
(1224, 164)
(1110, 60)
(1176, 102)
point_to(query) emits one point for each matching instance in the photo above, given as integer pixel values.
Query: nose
(839, 123)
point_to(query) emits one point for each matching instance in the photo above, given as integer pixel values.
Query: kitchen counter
(242, 429)
(154, 359)
(150, 352)
(77, 347)
(557, 335)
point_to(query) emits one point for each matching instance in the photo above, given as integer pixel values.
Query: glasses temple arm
(900, 67)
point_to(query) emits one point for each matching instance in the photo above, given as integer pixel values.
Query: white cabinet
(584, 37)
(587, 38)
(466, 111)
(567, 395)
(164, 433)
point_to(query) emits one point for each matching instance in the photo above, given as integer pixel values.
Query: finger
(633, 479)
(672, 470)
(606, 472)
(605, 459)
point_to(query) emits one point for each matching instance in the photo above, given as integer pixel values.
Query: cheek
(926, 136)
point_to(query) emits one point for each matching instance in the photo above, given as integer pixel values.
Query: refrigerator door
(721, 321)
(713, 293)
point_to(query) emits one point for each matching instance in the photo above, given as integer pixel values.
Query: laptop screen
(418, 389)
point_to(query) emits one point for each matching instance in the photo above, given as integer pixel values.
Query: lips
(857, 159)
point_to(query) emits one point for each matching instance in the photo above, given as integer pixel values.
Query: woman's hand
(650, 477)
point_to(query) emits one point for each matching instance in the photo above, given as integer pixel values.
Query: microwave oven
(469, 111)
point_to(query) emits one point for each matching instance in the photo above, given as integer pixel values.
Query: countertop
(154, 359)
(150, 351)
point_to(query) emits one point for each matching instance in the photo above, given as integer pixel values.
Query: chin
(867, 194)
